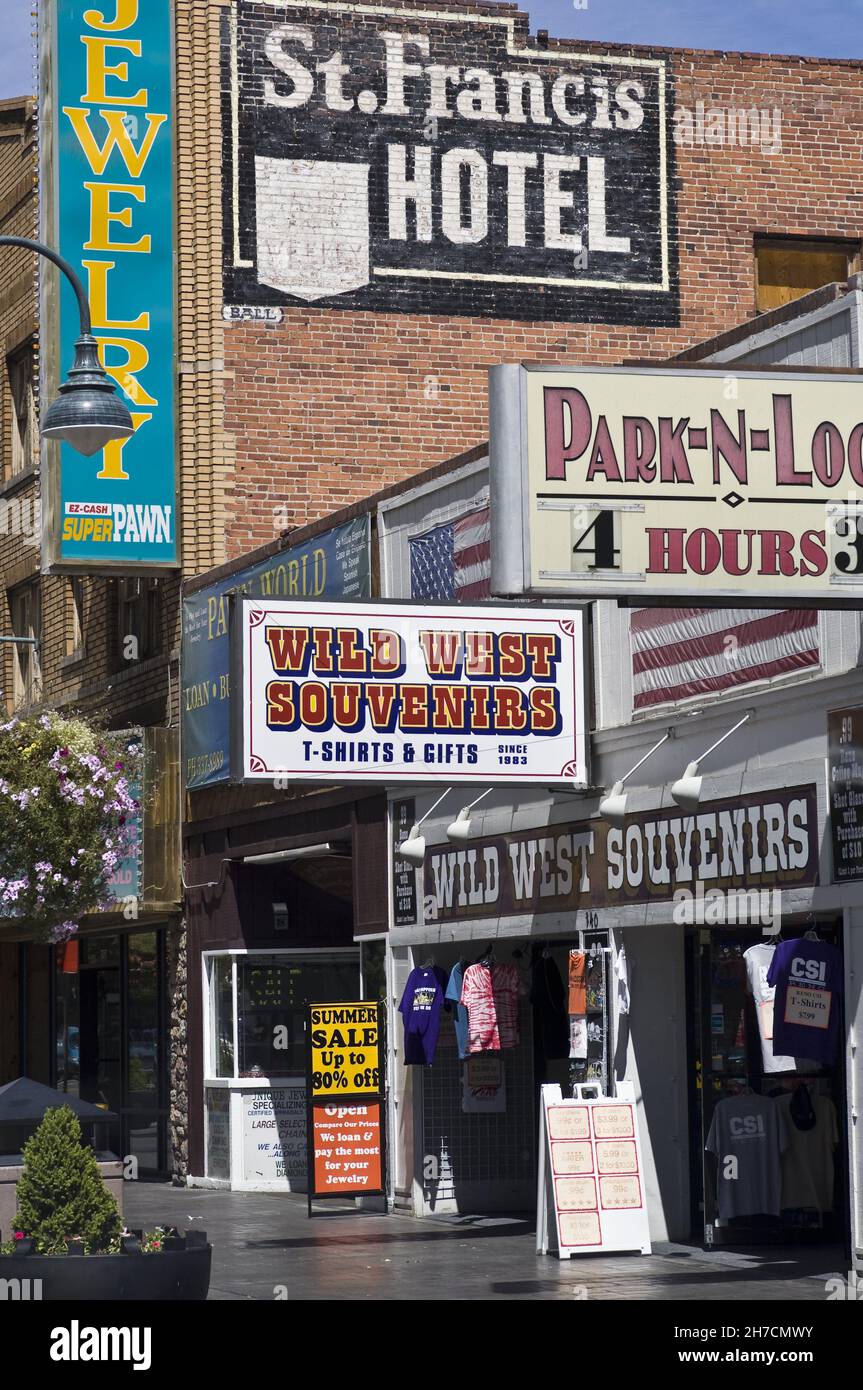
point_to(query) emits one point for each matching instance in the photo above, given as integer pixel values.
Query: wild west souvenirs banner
(387, 692)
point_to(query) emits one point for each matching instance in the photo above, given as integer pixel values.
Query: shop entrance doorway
(111, 1038)
(730, 1063)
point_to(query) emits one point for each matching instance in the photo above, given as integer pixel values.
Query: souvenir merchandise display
(453, 994)
(775, 1155)
(748, 1131)
(808, 1163)
(807, 976)
(758, 960)
(549, 1000)
(420, 1007)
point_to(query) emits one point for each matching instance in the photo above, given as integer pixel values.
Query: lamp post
(88, 413)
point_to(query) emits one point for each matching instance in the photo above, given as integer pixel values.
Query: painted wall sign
(336, 564)
(749, 843)
(107, 190)
(412, 159)
(845, 790)
(390, 692)
(655, 482)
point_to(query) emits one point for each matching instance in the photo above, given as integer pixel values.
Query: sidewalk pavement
(265, 1247)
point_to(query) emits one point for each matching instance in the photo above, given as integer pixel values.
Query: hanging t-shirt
(420, 1008)
(578, 1037)
(477, 996)
(758, 960)
(453, 993)
(807, 1163)
(750, 1129)
(808, 979)
(490, 995)
(577, 1002)
(548, 997)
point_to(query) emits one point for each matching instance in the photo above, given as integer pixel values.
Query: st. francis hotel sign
(659, 483)
(387, 692)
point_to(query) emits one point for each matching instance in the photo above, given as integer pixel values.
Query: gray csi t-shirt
(750, 1129)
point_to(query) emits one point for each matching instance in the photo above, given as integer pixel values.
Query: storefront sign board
(346, 1132)
(274, 1134)
(590, 1194)
(752, 844)
(666, 483)
(400, 693)
(107, 192)
(348, 1150)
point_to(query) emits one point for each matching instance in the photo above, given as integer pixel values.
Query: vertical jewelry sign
(107, 205)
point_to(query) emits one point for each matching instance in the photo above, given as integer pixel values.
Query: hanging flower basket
(65, 820)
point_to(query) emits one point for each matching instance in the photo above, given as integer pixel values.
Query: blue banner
(336, 564)
(114, 199)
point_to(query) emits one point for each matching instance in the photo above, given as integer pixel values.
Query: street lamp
(88, 413)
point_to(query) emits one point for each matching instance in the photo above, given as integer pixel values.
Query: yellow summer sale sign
(345, 1049)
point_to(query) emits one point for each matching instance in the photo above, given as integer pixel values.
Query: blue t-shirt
(453, 993)
(808, 979)
(420, 1008)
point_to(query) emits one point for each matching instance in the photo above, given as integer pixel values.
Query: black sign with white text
(420, 161)
(845, 742)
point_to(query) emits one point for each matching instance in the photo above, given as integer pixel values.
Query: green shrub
(61, 1193)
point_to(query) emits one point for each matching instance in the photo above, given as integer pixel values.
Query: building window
(139, 619)
(25, 611)
(75, 617)
(22, 431)
(788, 267)
(258, 1007)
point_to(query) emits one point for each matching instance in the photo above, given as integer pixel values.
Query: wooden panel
(371, 877)
(786, 272)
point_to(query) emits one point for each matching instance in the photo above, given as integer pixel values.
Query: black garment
(550, 1019)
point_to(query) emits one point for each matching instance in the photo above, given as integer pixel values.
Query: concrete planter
(181, 1272)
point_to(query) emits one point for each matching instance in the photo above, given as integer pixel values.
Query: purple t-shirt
(420, 1008)
(808, 979)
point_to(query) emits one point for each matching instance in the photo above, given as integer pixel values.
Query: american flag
(678, 653)
(453, 561)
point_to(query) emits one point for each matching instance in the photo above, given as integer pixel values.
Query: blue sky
(822, 28)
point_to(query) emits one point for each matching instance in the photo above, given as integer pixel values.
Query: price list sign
(346, 1100)
(591, 1193)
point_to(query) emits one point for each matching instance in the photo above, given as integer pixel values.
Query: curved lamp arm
(71, 275)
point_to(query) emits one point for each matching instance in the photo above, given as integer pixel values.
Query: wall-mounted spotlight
(414, 847)
(687, 790)
(613, 806)
(460, 827)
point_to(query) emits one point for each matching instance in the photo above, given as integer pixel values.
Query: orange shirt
(577, 986)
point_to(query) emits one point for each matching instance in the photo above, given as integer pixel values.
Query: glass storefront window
(274, 990)
(221, 981)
